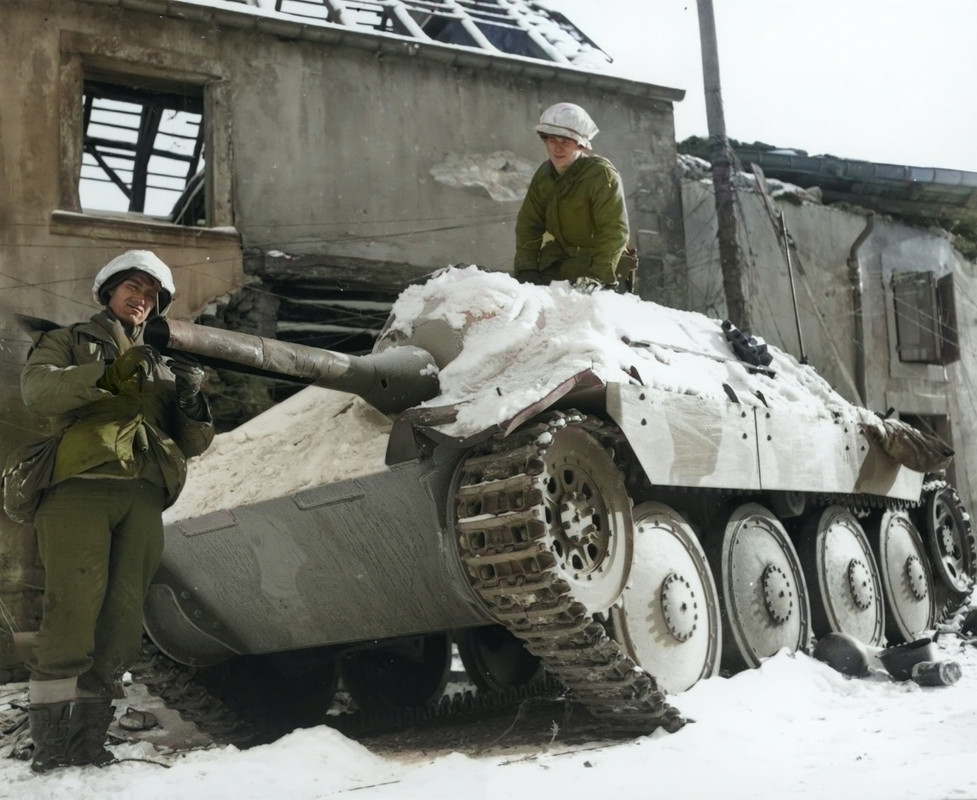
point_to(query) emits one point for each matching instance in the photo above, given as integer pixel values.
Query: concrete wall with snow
(834, 252)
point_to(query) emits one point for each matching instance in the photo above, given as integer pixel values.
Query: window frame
(110, 119)
(85, 57)
(924, 313)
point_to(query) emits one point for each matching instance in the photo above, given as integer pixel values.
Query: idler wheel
(907, 581)
(668, 618)
(846, 588)
(951, 541)
(763, 589)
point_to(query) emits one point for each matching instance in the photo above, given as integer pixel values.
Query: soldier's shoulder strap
(36, 327)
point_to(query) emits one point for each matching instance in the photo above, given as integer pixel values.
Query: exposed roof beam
(250, 18)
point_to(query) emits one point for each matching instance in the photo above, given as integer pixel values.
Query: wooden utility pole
(730, 260)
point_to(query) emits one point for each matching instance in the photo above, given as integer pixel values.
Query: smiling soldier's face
(133, 300)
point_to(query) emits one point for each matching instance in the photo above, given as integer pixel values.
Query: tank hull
(374, 558)
(360, 559)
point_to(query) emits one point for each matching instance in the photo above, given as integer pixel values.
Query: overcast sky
(890, 81)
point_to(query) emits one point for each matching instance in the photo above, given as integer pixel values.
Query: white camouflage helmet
(112, 274)
(570, 121)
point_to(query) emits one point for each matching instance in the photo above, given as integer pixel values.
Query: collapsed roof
(516, 27)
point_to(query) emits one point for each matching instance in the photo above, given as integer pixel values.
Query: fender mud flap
(176, 634)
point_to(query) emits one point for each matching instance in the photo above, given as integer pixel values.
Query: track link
(501, 529)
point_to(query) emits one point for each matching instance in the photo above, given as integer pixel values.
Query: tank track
(464, 705)
(499, 525)
(181, 689)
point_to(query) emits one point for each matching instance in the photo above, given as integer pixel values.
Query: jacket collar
(106, 327)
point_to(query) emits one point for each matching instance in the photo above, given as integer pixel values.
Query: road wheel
(842, 576)
(668, 619)
(495, 660)
(408, 674)
(907, 580)
(762, 586)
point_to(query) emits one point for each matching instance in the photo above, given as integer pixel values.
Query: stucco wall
(343, 147)
(963, 399)
(315, 147)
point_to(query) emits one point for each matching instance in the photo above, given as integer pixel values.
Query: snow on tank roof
(521, 341)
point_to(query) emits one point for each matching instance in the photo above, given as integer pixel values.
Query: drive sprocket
(544, 530)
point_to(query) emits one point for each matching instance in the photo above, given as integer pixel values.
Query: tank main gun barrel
(391, 381)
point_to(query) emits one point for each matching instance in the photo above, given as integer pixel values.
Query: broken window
(143, 151)
(926, 325)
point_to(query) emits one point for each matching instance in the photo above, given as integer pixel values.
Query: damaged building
(297, 164)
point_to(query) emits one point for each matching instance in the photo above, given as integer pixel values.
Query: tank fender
(683, 440)
(416, 430)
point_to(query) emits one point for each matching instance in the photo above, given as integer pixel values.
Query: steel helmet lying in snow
(113, 273)
(570, 121)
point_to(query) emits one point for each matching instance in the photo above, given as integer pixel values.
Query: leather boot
(50, 725)
(90, 720)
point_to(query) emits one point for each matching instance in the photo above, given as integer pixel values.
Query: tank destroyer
(591, 485)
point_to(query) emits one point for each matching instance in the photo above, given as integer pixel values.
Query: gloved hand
(189, 378)
(127, 368)
(587, 285)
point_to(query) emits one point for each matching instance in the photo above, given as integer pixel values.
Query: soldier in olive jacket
(573, 222)
(129, 421)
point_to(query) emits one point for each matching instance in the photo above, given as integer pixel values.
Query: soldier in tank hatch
(573, 223)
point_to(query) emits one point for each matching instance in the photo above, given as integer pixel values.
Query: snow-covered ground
(792, 728)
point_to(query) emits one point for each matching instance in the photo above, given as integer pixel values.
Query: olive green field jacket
(139, 433)
(572, 225)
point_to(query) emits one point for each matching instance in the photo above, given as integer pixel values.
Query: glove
(189, 377)
(587, 285)
(128, 367)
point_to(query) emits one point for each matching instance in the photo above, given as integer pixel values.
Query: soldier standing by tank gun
(127, 421)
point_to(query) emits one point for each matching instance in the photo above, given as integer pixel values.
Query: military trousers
(100, 541)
